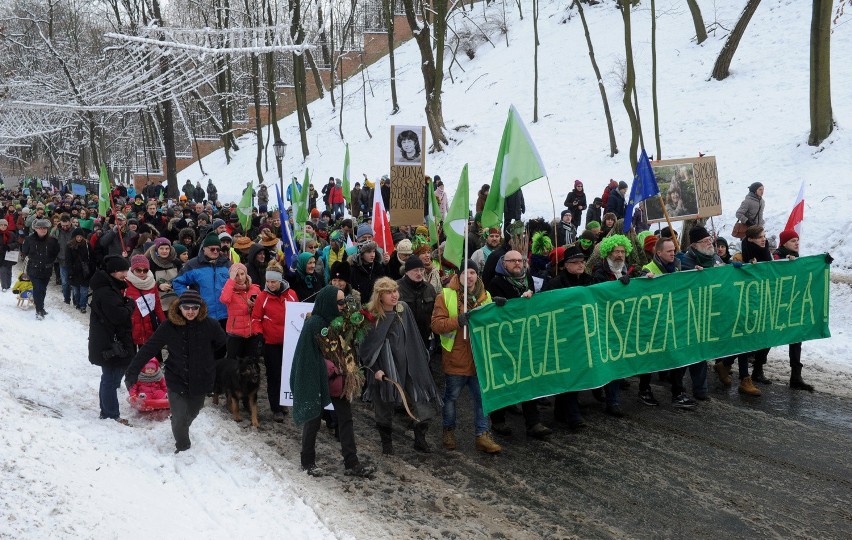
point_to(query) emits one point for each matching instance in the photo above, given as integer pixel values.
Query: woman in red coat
(238, 295)
(142, 289)
(268, 313)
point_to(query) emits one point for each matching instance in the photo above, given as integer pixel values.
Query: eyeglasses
(512, 260)
(190, 307)
(341, 302)
(140, 270)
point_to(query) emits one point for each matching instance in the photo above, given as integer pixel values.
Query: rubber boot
(420, 443)
(796, 382)
(386, 434)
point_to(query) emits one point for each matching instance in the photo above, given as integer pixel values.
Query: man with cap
(449, 318)
(192, 338)
(207, 274)
(41, 251)
(420, 296)
(492, 242)
(566, 231)
(397, 261)
(110, 332)
(701, 252)
(617, 200)
(117, 239)
(572, 273)
(226, 240)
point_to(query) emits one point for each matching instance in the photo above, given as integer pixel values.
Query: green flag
(346, 195)
(304, 196)
(457, 219)
(103, 193)
(518, 164)
(434, 215)
(295, 198)
(244, 208)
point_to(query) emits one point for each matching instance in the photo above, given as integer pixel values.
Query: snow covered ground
(67, 474)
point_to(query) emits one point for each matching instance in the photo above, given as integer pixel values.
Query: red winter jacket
(268, 314)
(142, 327)
(336, 196)
(152, 390)
(239, 309)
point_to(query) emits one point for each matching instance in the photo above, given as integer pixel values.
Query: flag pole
(117, 228)
(464, 272)
(553, 204)
(669, 221)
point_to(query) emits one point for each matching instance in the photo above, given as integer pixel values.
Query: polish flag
(798, 213)
(381, 223)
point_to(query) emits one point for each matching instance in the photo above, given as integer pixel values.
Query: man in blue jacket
(207, 274)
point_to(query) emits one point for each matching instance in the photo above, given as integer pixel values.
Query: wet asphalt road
(736, 467)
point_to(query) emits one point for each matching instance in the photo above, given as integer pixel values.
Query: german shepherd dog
(240, 379)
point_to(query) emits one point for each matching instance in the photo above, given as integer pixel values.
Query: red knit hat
(650, 243)
(787, 235)
(139, 261)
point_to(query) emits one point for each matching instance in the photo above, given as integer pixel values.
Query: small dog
(240, 379)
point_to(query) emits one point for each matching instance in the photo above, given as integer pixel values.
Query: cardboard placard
(408, 163)
(689, 187)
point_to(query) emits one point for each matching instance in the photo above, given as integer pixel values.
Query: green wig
(610, 242)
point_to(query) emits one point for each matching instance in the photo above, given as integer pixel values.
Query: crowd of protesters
(187, 274)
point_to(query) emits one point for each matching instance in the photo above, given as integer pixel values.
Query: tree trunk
(654, 73)
(629, 84)
(297, 34)
(432, 71)
(613, 148)
(271, 94)
(820, 95)
(697, 20)
(168, 125)
(315, 73)
(387, 8)
(721, 69)
(535, 60)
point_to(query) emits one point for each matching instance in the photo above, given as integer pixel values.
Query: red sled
(148, 404)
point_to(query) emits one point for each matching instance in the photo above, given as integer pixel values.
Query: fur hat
(697, 234)
(114, 263)
(139, 261)
(364, 247)
(340, 270)
(786, 236)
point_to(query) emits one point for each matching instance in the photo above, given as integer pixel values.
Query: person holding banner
(400, 365)
(448, 319)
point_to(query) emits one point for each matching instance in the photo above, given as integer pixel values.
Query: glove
(737, 264)
(499, 300)
(828, 259)
(463, 319)
(625, 279)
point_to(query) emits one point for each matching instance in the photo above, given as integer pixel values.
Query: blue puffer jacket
(208, 278)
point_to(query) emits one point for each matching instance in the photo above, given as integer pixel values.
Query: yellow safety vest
(451, 299)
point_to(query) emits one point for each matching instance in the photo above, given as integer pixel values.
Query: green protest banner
(584, 337)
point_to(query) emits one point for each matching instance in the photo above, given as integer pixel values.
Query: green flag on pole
(103, 193)
(518, 164)
(244, 208)
(295, 199)
(301, 211)
(434, 215)
(457, 219)
(346, 195)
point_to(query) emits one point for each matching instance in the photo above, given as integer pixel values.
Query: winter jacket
(750, 211)
(8, 242)
(256, 271)
(42, 253)
(459, 359)
(362, 276)
(269, 312)
(80, 262)
(110, 320)
(238, 303)
(501, 286)
(602, 272)
(513, 207)
(164, 271)
(336, 195)
(208, 277)
(355, 202)
(152, 389)
(616, 203)
(420, 297)
(576, 202)
(692, 259)
(212, 192)
(149, 301)
(566, 234)
(191, 367)
(565, 280)
(188, 189)
(111, 241)
(63, 237)
(751, 251)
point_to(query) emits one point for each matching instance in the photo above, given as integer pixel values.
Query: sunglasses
(140, 270)
(341, 302)
(190, 307)
(213, 249)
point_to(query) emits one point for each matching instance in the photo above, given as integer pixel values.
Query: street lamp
(280, 150)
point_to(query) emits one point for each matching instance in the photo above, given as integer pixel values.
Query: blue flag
(644, 187)
(288, 246)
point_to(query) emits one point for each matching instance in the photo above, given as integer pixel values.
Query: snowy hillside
(756, 122)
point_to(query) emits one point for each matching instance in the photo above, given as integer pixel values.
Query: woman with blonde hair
(397, 361)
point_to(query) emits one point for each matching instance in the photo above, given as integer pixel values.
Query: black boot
(758, 376)
(420, 443)
(386, 432)
(796, 382)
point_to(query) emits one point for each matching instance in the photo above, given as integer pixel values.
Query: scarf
(475, 296)
(668, 267)
(703, 259)
(145, 378)
(166, 263)
(518, 283)
(143, 284)
(302, 269)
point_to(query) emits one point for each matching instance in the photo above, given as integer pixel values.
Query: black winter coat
(80, 262)
(576, 202)
(191, 367)
(420, 297)
(362, 277)
(110, 320)
(500, 286)
(616, 203)
(42, 253)
(565, 280)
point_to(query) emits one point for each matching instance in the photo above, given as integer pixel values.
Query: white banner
(294, 320)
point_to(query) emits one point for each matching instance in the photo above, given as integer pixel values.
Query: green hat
(593, 225)
(210, 240)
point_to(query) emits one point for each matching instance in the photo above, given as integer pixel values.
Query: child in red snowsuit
(151, 383)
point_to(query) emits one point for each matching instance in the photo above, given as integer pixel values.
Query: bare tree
(654, 74)
(721, 69)
(629, 87)
(822, 123)
(387, 10)
(613, 148)
(697, 20)
(535, 60)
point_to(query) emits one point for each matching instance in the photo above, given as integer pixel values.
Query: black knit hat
(413, 263)
(339, 270)
(190, 296)
(211, 240)
(697, 234)
(755, 186)
(114, 263)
